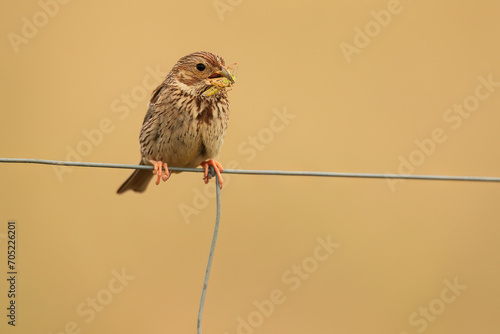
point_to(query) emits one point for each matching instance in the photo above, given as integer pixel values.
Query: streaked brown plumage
(182, 127)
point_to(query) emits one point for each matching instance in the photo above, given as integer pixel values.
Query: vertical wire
(211, 254)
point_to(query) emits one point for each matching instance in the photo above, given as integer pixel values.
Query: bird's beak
(225, 73)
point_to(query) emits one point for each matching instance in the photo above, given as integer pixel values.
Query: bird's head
(196, 72)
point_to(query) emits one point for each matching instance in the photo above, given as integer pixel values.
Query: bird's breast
(192, 131)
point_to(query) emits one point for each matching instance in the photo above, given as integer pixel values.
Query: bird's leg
(217, 168)
(161, 170)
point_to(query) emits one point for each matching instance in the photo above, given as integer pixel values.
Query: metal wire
(249, 172)
(263, 172)
(212, 250)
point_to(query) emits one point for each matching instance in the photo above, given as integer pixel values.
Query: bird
(186, 120)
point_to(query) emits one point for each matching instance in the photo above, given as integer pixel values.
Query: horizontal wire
(262, 172)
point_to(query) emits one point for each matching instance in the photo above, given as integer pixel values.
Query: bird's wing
(154, 98)
(150, 131)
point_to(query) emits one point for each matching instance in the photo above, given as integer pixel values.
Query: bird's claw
(161, 170)
(217, 167)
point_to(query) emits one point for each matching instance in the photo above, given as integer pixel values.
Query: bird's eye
(200, 67)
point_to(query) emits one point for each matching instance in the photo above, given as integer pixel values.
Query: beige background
(397, 245)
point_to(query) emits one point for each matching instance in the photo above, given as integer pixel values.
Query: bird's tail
(138, 181)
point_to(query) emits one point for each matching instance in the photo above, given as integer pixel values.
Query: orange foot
(217, 167)
(161, 169)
